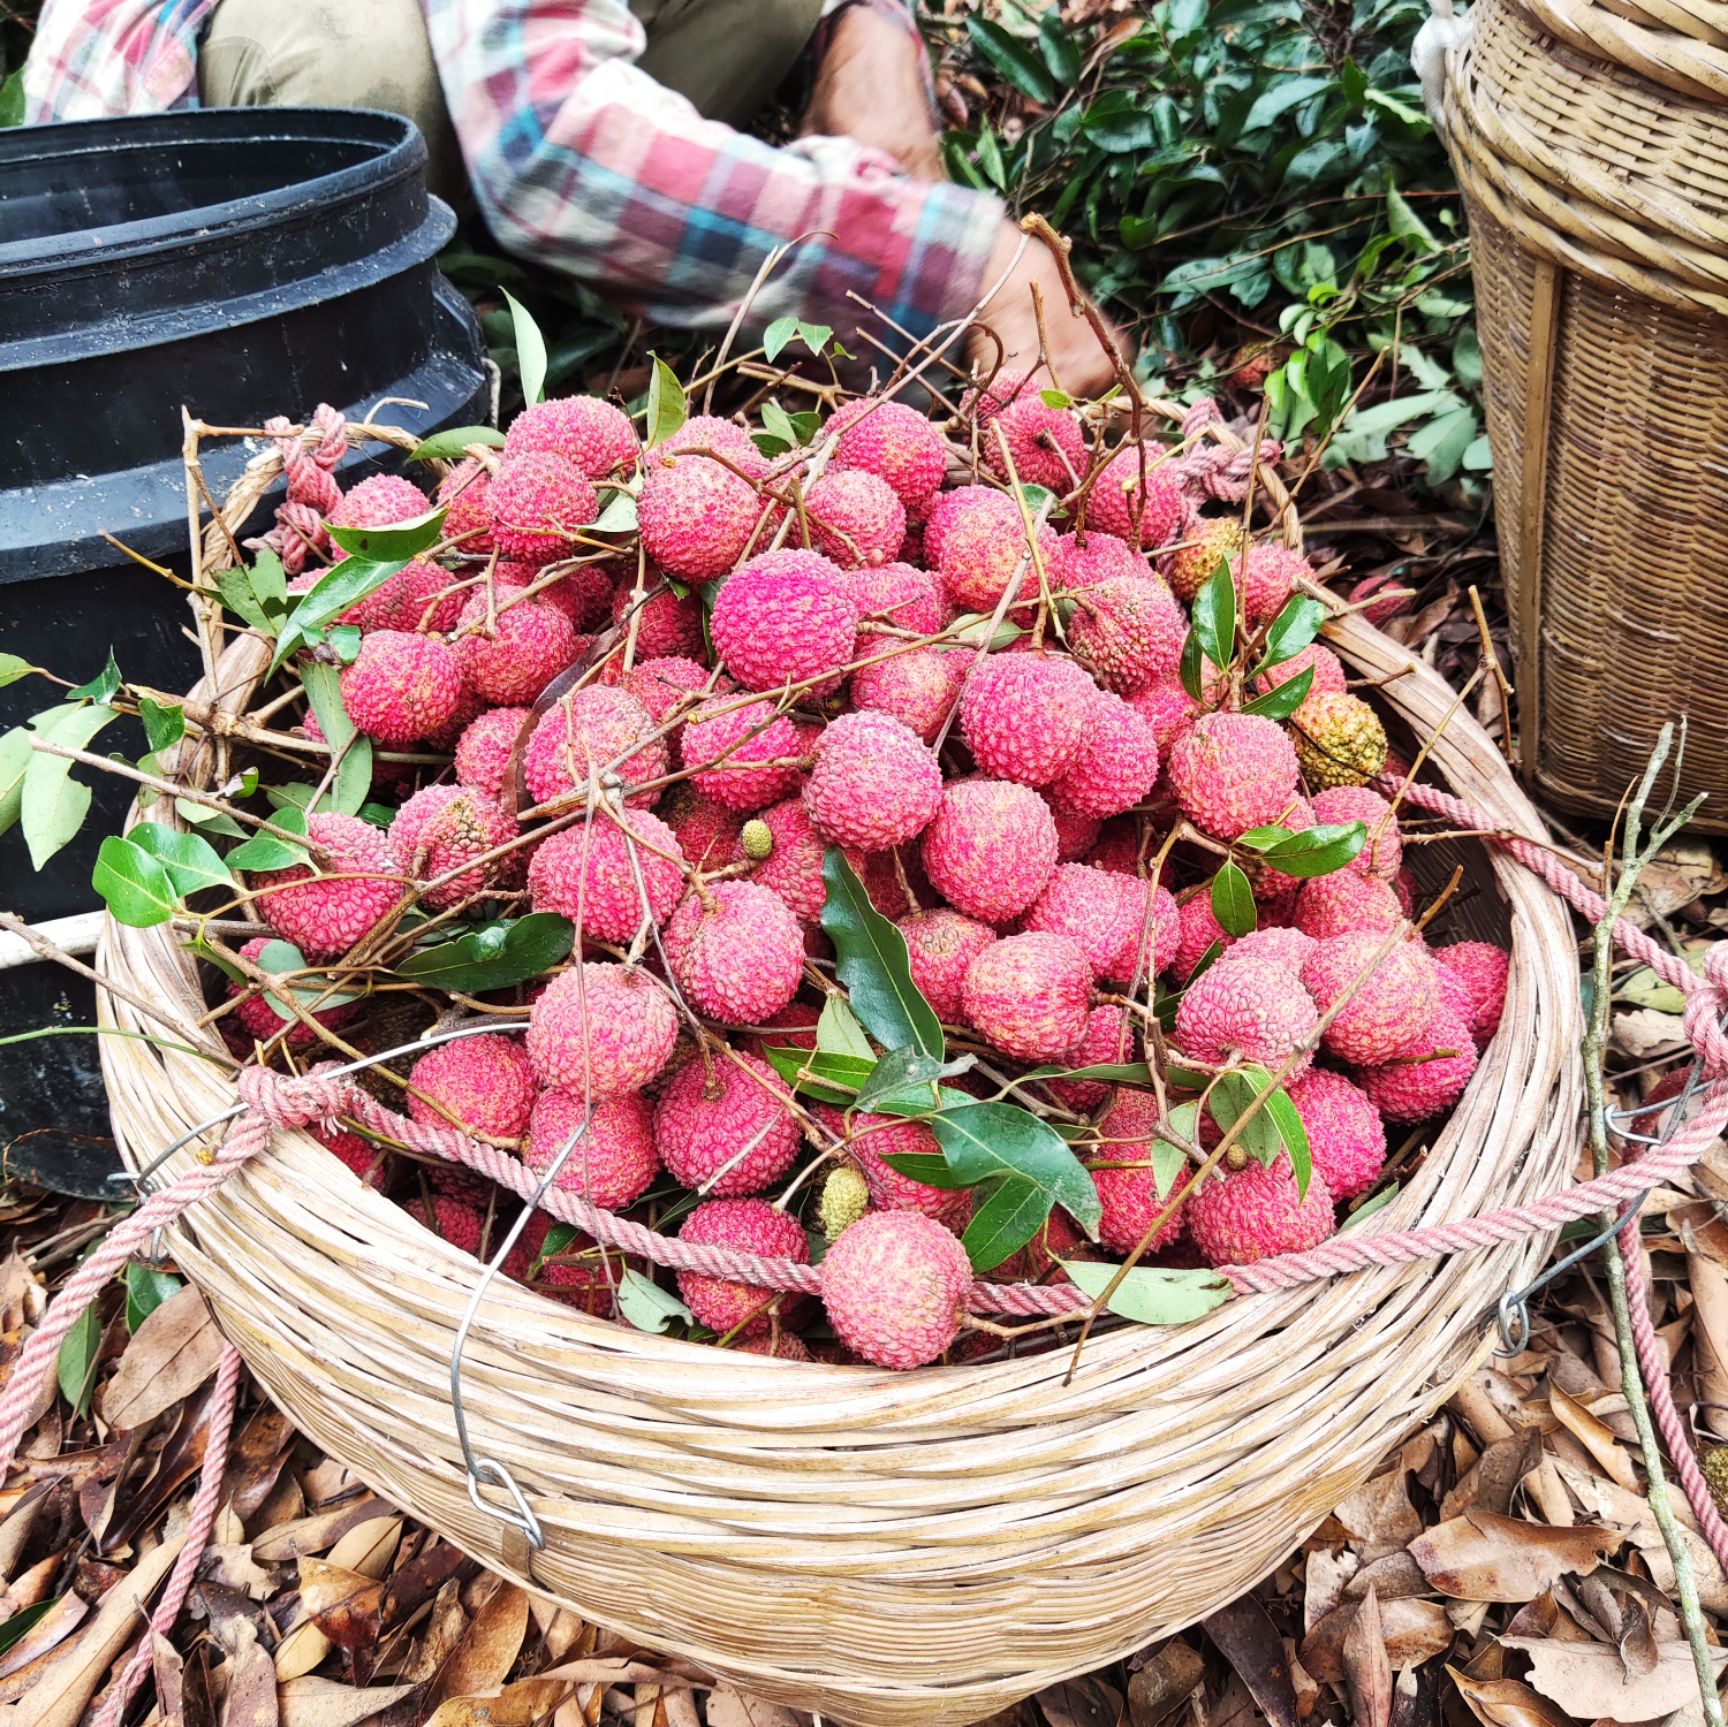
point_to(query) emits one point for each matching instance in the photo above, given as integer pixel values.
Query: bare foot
(870, 87)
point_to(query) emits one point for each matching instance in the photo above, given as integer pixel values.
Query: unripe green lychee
(1339, 740)
(757, 840)
(845, 1199)
(1716, 1475)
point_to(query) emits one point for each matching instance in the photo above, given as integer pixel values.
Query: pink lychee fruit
(1132, 1199)
(262, 1022)
(467, 520)
(991, 848)
(872, 1139)
(484, 1084)
(710, 432)
(920, 688)
(1200, 932)
(601, 1029)
(1289, 948)
(1251, 1010)
(1085, 560)
(359, 879)
(1117, 848)
(593, 733)
(1028, 994)
(742, 753)
(1269, 577)
(1075, 834)
(750, 1226)
(785, 618)
(443, 828)
(1107, 1041)
(537, 502)
(372, 1162)
(1099, 912)
(1233, 772)
(941, 945)
(1432, 1078)
(1383, 1002)
(1383, 852)
(895, 1286)
(1167, 708)
(1148, 512)
(379, 501)
(1346, 1136)
(1326, 667)
(722, 1127)
(696, 517)
(983, 547)
(450, 1220)
(793, 866)
(512, 651)
(1115, 766)
(1343, 901)
(737, 952)
(607, 876)
(898, 595)
(666, 623)
(1255, 1212)
(855, 518)
(1047, 444)
(707, 832)
(894, 442)
(665, 685)
(1024, 715)
(613, 1162)
(1483, 969)
(597, 437)
(1128, 630)
(401, 687)
(874, 783)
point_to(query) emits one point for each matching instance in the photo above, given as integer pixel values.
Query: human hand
(870, 87)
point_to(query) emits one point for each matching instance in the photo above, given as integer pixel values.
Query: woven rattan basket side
(891, 1549)
(1592, 146)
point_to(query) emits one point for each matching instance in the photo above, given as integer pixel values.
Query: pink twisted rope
(1208, 468)
(312, 489)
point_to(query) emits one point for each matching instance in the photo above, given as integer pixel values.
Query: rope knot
(294, 1100)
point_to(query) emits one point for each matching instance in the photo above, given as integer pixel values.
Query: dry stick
(1502, 687)
(1595, 1039)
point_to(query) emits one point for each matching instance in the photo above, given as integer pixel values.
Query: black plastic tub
(238, 263)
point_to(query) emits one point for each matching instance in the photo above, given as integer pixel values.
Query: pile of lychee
(952, 650)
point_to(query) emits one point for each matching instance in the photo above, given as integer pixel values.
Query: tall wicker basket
(1591, 141)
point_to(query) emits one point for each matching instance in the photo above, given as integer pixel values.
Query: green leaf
(618, 516)
(449, 445)
(164, 726)
(1643, 988)
(1318, 850)
(871, 961)
(1016, 63)
(236, 590)
(648, 1307)
(1215, 616)
(1061, 51)
(839, 1033)
(1233, 901)
(12, 114)
(1376, 1202)
(76, 1366)
(1150, 1294)
(345, 639)
(558, 1237)
(1282, 700)
(54, 804)
(208, 821)
(814, 337)
(974, 630)
(15, 756)
(1115, 1072)
(778, 423)
(775, 338)
(1004, 1219)
(1274, 1127)
(1189, 669)
(282, 959)
(829, 1078)
(1294, 1133)
(265, 851)
(1056, 398)
(146, 1290)
(530, 349)
(484, 960)
(134, 885)
(1296, 625)
(990, 1141)
(396, 543)
(26, 1617)
(667, 408)
(101, 687)
(354, 776)
(901, 1070)
(806, 425)
(1281, 98)
(12, 669)
(269, 581)
(190, 859)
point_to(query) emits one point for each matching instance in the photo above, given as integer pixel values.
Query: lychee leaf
(1319, 850)
(1233, 901)
(648, 1307)
(75, 1366)
(394, 542)
(480, 961)
(530, 349)
(146, 1290)
(164, 726)
(15, 753)
(924, 1166)
(1291, 631)
(1150, 1294)
(133, 885)
(667, 408)
(354, 769)
(1275, 1126)
(776, 336)
(1023, 70)
(1378, 1202)
(618, 516)
(908, 1071)
(1113, 1072)
(1003, 1220)
(975, 630)
(558, 1237)
(53, 804)
(1263, 839)
(832, 1079)
(778, 423)
(101, 687)
(1215, 617)
(839, 1033)
(1282, 700)
(871, 960)
(990, 1141)
(451, 444)
(266, 851)
(1188, 668)
(190, 859)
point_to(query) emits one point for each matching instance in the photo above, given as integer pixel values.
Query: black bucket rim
(402, 152)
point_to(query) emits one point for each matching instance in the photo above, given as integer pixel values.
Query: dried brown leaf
(1507, 1703)
(171, 1354)
(1164, 1684)
(1367, 1672)
(49, 1632)
(481, 1662)
(1413, 1632)
(730, 1708)
(313, 1702)
(523, 1704)
(1595, 1436)
(1482, 1557)
(1083, 1702)
(251, 1686)
(1380, 1515)
(1248, 1640)
(319, 1532)
(367, 1548)
(169, 1673)
(1589, 1680)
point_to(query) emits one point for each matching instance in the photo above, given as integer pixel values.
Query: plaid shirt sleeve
(581, 161)
(91, 59)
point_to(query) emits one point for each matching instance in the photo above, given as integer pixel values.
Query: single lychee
(873, 1139)
(1384, 850)
(1255, 1212)
(1232, 772)
(1117, 848)
(1132, 1200)
(1099, 912)
(991, 848)
(359, 879)
(377, 502)
(591, 734)
(845, 1199)
(467, 520)
(401, 687)
(450, 1220)
(1343, 901)
(984, 547)
(1146, 510)
(444, 827)
(708, 832)
(874, 783)
(484, 1084)
(537, 502)
(373, 1163)
(597, 437)
(1115, 766)
(919, 688)
(742, 753)
(1483, 970)
(1106, 1041)
(665, 623)
(1339, 740)
(1128, 630)
(1269, 578)
(710, 432)
(1250, 1010)
(1326, 667)
(1085, 560)
(1346, 1136)
(895, 1288)
(896, 595)
(1289, 948)
(512, 651)
(262, 1022)
(855, 518)
(894, 442)
(695, 516)
(608, 875)
(940, 947)
(1047, 444)
(483, 751)
(601, 1029)
(750, 1226)
(786, 856)
(737, 952)
(1024, 715)
(1200, 932)
(664, 685)
(1383, 1004)
(613, 1162)
(785, 618)
(723, 1127)
(1194, 560)
(1075, 834)
(1028, 994)
(1432, 1077)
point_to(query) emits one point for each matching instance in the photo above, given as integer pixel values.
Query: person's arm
(581, 161)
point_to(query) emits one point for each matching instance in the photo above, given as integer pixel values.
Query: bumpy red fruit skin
(1200, 930)
(696, 517)
(895, 1286)
(725, 737)
(1251, 1006)
(588, 731)
(376, 503)
(325, 915)
(991, 848)
(413, 599)
(1289, 948)
(1346, 1137)
(1343, 901)
(262, 1022)
(710, 432)
(401, 687)
(1129, 630)
(1483, 970)
(485, 1083)
(664, 684)
(896, 594)
(1232, 772)
(483, 750)
(707, 831)
(746, 1226)
(666, 623)
(1254, 1213)
(467, 521)
(793, 869)
(1196, 557)
(1130, 1196)
(1389, 1010)
(919, 688)
(1428, 1082)
(1384, 850)
(1083, 561)
(856, 519)
(1047, 444)
(613, 1163)
(783, 618)
(1115, 766)
(537, 502)
(1075, 834)
(739, 957)
(1028, 994)
(1107, 1039)
(585, 873)
(593, 434)
(369, 1161)
(630, 1024)
(452, 1221)
(444, 827)
(1327, 669)
(1167, 708)
(874, 783)
(1100, 912)
(511, 655)
(729, 1116)
(983, 545)
(894, 442)
(873, 1138)
(1270, 578)
(940, 946)
(1148, 517)
(1024, 715)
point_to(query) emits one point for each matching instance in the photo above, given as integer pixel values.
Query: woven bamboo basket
(1591, 141)
(890, 1549)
